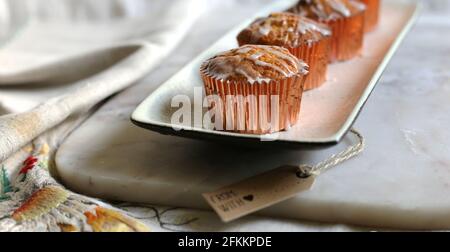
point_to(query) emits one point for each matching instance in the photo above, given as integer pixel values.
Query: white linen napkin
(71, 55)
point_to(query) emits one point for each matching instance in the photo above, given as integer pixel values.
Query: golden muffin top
(254, 64)
(283, 29)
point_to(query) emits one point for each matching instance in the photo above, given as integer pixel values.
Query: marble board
(402, 180)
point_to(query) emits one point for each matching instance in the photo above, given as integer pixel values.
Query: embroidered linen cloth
(64, 59)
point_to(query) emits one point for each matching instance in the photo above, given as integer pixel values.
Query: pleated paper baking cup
(316, 55)
(259, 108)
(347, 38)
(372, 14)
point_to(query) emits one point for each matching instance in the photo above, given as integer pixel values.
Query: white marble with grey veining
(402, 180)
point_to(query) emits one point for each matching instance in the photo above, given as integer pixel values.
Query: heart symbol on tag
(248, 198)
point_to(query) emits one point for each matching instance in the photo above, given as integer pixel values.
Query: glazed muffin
(372, 14)
(254, 89)
(346, 20)
(304, 38)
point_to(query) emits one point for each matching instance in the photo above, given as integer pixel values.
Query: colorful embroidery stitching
(5, 185)
(40, 203)
(34, 201)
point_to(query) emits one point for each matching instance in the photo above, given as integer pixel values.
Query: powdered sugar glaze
(255, 64)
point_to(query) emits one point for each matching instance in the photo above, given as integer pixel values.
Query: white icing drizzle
(358, 5)
(288, 57)
(305, 26)
(256, 56)
(339, 7)
(247, 75)
(265, 64)
(244, 49)
(265, 30)
(223, 66)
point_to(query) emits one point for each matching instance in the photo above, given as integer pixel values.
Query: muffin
(306, 39)
(254, 89)
(372, 14)
(346, 20)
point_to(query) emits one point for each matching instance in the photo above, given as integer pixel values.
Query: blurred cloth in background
(15, 13)
(64, 46)
(52, 27)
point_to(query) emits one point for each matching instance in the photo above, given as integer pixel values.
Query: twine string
(305, 171)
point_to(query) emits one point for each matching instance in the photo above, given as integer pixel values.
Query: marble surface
(402, 180)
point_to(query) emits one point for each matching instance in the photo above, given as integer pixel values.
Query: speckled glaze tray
(327, 113)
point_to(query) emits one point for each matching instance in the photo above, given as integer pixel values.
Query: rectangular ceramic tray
(327, 113)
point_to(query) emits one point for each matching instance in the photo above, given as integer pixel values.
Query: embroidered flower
(67, 227)
(106, 220)
(5, 186)
(40, 203)
(28, 164)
